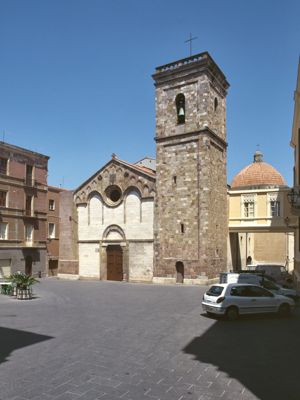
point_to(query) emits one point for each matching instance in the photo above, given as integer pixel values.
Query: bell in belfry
(181, 112)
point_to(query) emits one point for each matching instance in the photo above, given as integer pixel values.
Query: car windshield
(215, 291)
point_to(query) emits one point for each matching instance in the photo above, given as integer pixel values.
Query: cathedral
(162, 220)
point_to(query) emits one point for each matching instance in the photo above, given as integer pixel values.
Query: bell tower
(190, 221)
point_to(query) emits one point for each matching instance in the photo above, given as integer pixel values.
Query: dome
(258, 175)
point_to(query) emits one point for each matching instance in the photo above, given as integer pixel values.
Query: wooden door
(114, 263)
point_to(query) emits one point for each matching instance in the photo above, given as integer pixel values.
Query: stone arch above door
(114, 232)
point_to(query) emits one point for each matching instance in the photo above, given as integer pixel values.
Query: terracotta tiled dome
(258, 174)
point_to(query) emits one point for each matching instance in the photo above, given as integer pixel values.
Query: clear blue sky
(75, 81)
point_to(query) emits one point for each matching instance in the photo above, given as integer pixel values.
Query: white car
(278, 289)
(234, 299)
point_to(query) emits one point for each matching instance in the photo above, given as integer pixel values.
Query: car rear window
(215, 291)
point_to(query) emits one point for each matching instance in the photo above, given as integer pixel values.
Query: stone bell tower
(190, 221)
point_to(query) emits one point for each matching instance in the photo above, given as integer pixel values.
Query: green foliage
(22, 281)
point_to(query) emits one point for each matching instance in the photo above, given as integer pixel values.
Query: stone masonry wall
(68, 247)
(190, 223)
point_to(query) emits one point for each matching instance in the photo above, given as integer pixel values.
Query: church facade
(166, 223)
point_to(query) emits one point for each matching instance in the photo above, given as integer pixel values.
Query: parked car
(278, 289)
(234, 299)
(260, 280)
(276, 272)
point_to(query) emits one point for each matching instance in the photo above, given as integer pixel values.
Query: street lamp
(294, 198)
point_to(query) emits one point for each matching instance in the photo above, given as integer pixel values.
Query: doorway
(114, 263)
(53, 267)
(28, 265)
(179, 272)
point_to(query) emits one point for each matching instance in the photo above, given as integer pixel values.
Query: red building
(23, 211)
(53, 229)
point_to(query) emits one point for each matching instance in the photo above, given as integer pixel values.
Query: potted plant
(23, 285)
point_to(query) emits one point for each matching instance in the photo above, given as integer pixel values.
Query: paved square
(113, 340)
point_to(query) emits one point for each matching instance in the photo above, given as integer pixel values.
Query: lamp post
(294, 198)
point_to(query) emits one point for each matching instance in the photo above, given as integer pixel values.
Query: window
(113, 193)
(215, 291)
(51, 205)
(5, 267)
(248, 209)
(3, 166)
(29, 169)
(248, 206)
(255, 291)
(239, 291)
(3, 231)
(274, 204)
(182, 228)
(28, 206)
(51, 231)
(215, 104)
(275, 208)
(2, 198)
(28, 233)
(180, 107)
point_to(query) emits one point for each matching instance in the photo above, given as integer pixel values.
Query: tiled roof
(257, 174)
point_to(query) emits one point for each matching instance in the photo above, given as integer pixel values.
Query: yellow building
(260, 223)
(294, 196)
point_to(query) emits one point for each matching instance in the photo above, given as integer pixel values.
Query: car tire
(284, 310)
(232, 313)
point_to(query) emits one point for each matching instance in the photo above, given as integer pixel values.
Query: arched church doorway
(28, 265)
(179, 272)
(114, 263)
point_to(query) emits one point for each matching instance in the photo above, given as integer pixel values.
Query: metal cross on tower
(190, 40)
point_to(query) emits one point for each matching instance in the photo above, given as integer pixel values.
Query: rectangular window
(3, 231)
(249, 209)
(275, 208)
(51, 231)
(248, 206)
(28, 206)
(5, 268)
(3, 198)
(51, 205)
(3, 166)
(28, 233)
(29, 176)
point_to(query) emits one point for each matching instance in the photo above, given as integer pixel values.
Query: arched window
(180, 107)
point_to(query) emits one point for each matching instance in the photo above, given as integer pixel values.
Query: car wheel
(232, 313)
(284, 310)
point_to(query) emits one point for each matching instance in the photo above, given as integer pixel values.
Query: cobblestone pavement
(113, 340)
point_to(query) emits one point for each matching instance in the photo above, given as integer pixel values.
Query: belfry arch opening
(180, 107)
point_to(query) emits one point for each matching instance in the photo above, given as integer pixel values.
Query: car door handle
(253, 299)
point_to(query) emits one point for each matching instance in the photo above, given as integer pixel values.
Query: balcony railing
(28, 181)
(30, 213)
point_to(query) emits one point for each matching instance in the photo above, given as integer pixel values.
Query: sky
(75, 81)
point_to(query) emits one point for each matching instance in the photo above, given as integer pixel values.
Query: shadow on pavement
(262, 353)
(12, 339)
